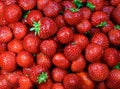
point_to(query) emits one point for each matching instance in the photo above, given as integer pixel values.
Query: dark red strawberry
(5, 34)
(60, 61)
(101, 85)
(12, 13)
(31, 43)
(43, 60)
(94, 31)
(8, 61)
(114, 2)
(8, 2)
(98, 71)
(71, 81)
(58, 86)
(27, 4)
(33, 16)
(58, 74)
(3, 47)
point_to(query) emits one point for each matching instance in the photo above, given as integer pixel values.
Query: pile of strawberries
(59, 44)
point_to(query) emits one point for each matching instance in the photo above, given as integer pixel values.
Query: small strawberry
(58, 86)
(60, 61)
(65, 35)
(58, 74)
(68, 4)
(98, 71)
(3, 47)
(114, 2)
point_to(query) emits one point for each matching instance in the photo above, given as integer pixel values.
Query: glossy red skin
(12, 13)
(100, 39)
(86, 12)
(52, 9)
(114, 37)
(15, 46)
(111, 57)
(60, 61)
(115, 15)
(114, 75)
(86, 81)
(25, 82)
(72, 18)
(3, 47)
(101, 85)
(81, 40)
(68, 4)
(95, 30)
(43, 60)
(65, 35)
(31, 43)
(24, 59)
(27, 4)
(93, 52)
(97, 3)
(48, 47)
(84, 26)
(34, 15)
(8, 61)
(58, 74)
(8, 2)
(98, 71)
(114, 2)
(5, 34)
(79, 64)
(97, 17)
(72, 51)
(58, 86)
(71, 81)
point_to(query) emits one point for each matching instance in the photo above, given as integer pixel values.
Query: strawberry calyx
(91, 6)
(42, 78)
(102, 24)
(117, 27)
(78, 3)
(74, 9)
(25, 14)
(117, 66)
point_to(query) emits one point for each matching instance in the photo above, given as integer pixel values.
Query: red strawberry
(31, 43)
(94, 31)
(58, 74)
(12, 13)
(3, 47)
(25, 82)
(65, 35)
(58, 86)
(111, 57)
(45, 28)
(2, 7)
(101, 85)
(113, 80)
(27, 71)
(43, 60)
(8, 61)
(93, 52)
(100, 39)
(71, 81)
(33, 15)
(84, 26)
(79, 64)
(8, 2)
(15, 46)
(60, 61)
(114, 2)
(114, 37)
(27, 4)
(5, 34)
(98, 71)
(3, 22)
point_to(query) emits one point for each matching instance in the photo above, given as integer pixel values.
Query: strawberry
(79, 64)
(24, 59)
(8, 61)
(31, 43)
(111, 57)
(100, 39)
(52, 9)
(72, 51)
(27, 71)
(27, 4)
(84, 26)
(5, 34)
(93, 52)
(60, 61)
(3, 47)
(15, 46)
(58, 86)
(94, 31)
(12, 13)
(58, 74)
(25, 82)
(65, 35)
(114, 2)
(8, 2)
(43, 60)
(98, 71)
(68, 4)
(3, 22)
(71, 81)
(101, 85)
(2, 6)
(48, 47)
(114, 75)
(33, 15)
(114, 36)
(45, 28)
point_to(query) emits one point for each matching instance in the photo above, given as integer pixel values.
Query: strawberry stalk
(117, 27)
(102, 24)
(74, 9)
(91, 6)
(42, 78)
(117, 66)
(78, 3)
